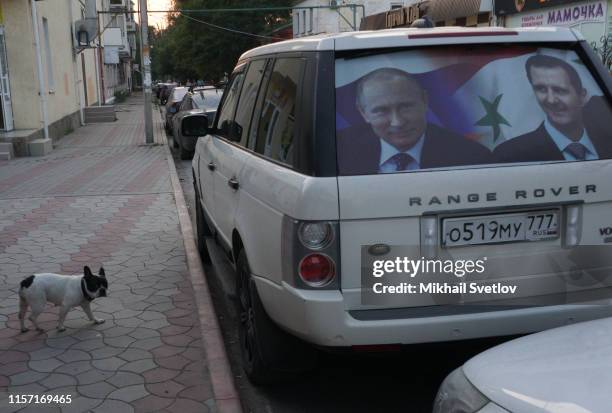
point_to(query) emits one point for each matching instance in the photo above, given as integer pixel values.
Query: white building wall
(308, 22)
(64, 92)
(21, 60)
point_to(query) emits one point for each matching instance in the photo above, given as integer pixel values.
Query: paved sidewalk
(102, 198)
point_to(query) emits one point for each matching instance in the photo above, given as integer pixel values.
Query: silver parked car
(172, 105)
(201, 100)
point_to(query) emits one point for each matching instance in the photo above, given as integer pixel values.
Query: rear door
(466, 154)
(212, 145)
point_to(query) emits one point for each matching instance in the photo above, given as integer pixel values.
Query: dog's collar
(85, 293)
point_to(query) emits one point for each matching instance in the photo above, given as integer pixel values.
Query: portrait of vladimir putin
(397, 136)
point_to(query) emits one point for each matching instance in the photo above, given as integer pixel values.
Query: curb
(225, 393)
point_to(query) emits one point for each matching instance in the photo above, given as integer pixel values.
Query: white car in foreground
(563, 370)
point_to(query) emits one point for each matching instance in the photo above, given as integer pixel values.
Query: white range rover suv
(336, 164)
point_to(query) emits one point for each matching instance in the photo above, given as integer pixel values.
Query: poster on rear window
(483, 105)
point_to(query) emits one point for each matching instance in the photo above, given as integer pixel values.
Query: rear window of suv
(467, 106)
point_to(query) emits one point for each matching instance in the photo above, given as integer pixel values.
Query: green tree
(188, 49)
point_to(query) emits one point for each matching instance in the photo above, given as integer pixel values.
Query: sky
(157, 19)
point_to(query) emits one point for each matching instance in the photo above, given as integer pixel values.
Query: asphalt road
(404, 381)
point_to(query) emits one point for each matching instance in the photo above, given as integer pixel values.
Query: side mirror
(194, 125)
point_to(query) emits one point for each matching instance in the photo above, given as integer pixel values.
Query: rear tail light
(315, 235)
(317, 270)
(310, 253)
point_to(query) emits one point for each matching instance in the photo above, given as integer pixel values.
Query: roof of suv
(403, 37)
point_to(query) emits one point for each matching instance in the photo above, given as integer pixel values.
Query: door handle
(233, 183)
(211, 166)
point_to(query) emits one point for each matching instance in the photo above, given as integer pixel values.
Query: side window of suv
(276, 126)
(225, 123)
(246, 102)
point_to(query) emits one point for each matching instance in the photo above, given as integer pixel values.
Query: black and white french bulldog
(67, 291)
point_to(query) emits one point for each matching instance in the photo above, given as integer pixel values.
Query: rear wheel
(202, 231)
(184, 153)
(269, 354)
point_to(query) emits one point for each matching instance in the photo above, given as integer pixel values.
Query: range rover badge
(379, 249)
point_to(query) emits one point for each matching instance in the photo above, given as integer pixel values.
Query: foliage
(187, 49)
(121, 95)
(604, 50)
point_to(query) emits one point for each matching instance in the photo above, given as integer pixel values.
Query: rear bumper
(320, 317)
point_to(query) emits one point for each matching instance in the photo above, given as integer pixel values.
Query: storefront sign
(402, 17)
(593, 12)
(503, 7)
(389, 19)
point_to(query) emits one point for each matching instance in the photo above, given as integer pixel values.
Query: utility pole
(146, 72)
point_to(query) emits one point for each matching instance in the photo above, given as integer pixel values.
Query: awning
(439, 10)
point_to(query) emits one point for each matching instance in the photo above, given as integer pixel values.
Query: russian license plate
(492, 229)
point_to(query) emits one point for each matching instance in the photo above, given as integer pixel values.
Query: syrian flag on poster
(485, 96)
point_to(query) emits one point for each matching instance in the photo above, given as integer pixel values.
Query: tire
(269, 354)
(202, 231)
(184, 154)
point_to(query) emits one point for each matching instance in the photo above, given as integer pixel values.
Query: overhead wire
(261, 36)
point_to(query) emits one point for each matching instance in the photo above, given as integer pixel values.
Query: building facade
(466, 13)
(592, 18)
(312, 17)
(45, 89)
(118, 26)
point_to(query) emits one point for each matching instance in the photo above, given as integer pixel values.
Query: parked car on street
(566, 369)
(201, 100)
(334, 157)
(172, 104)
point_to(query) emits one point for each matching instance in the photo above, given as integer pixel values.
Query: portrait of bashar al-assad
(564, 134)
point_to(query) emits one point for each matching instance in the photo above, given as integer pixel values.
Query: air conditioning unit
(85, 31)
(117, 5)
(112, 37)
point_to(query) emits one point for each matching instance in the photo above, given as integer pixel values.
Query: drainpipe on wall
(41, 81)
(101, 64)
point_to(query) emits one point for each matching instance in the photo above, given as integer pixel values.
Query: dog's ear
(101, 273)
(87, 271)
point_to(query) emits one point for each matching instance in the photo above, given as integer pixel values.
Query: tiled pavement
(101, 198)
